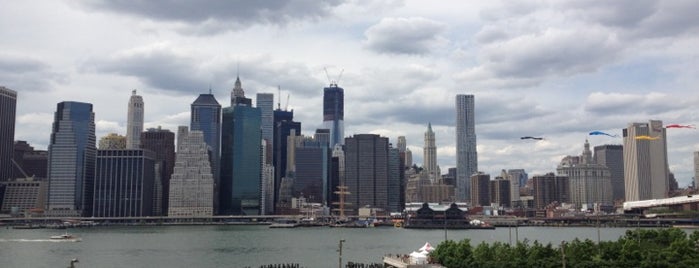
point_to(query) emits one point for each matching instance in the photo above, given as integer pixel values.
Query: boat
(66, 237)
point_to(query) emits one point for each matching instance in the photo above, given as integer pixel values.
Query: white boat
(66, 236)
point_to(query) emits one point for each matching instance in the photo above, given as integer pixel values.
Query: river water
(242, 246)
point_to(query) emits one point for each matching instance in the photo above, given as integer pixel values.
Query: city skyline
(572, 68)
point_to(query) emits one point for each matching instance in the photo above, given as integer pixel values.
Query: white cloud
(405, 35)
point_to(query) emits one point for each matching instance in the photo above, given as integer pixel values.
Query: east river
(241, 246)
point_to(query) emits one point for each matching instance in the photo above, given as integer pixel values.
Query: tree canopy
(637, 248)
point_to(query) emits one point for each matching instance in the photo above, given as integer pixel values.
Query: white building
(134, 121)
(192, 183)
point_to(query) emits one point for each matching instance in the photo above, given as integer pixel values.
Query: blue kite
(602, 133)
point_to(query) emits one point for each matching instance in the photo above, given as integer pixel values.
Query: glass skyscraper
(283, 126)
(8, 109)
(72, 152)
(334, 113)
(206, 117)
(241, 161)
(466, 155)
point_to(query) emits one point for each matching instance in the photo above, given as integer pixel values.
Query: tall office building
(408, 157)
(514, 187)
(480, 189)
(162, 143)
(72, 152)
(612, 156)
(124, 183)
(334, 113)
(396, 187)
(192, 184)
(550, 188)
(466, 155)
(500, 192)
(267, 176)
(112, 141)
(284, 125)
(645, 161)
(366, 171)
(430, 153)
(134, 121)
(265, 102)
(589, 182)
(240, 192)
(312, 161)
(33, 163)
(8, 110)
(206, 117)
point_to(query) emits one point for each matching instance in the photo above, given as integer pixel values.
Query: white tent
(426, 248)
(418, 257)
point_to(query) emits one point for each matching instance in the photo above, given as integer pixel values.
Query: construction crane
(333, 83)
(286, 108)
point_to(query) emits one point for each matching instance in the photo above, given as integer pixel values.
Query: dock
(403, 262)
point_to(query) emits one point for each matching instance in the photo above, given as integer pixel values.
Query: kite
(602, 133)
(679, 126)
(643, 137)
(531, 138)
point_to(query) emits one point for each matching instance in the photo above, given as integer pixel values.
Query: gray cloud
(213, 16)
(27, 74)
(405, 35)
(162, 67)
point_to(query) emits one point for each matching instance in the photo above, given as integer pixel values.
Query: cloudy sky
(557, 69)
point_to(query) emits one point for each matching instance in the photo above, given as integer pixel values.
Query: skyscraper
(267, 176)
(192, 184)
(240, 192)
(312, 166)
(612, 156)
(334, 113)
(466, 155)
(500, 191)
(265, 102)
(34, 163)
(206, 117)
(134, 121)
(645, 161)
(238, 94)
(549, 188)
(589, 182)
(396, 187)
(72, 152)
(430, 153)
(124, 183)
(518, 179)
(366, 171)
(8, 110)
(284, 125)
(162, 143)
(480, 186)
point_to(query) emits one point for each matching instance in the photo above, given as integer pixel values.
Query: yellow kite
(647, 138)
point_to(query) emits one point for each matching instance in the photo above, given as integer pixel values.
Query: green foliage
(637, 248)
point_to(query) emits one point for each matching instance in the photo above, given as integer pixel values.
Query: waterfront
(240, 246)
